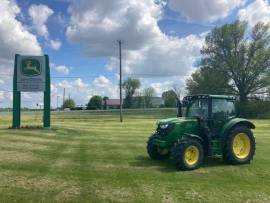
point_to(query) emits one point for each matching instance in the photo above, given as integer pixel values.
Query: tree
(95, 102)
(177, 90)
(169, 98)
(104, 99)
(207, 80)
(242, 57)
(130, 86)
(148, 93)
(69, 103)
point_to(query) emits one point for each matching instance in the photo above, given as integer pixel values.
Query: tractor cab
(209, 126)
(212, 111)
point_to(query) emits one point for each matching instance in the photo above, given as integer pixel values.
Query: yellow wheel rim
(191, 155)
(241, 145)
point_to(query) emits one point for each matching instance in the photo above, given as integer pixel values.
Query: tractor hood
(170, 129)
(178, 120)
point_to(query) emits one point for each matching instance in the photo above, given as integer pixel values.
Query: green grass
(91, 157)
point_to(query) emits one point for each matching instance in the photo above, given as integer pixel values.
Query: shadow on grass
(146, 162)
(213, 162)
(167, 166)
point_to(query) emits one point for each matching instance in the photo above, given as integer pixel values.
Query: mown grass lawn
(91, 157)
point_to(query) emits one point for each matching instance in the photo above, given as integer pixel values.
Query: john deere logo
(30, 67)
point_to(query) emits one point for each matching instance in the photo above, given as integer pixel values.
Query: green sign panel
(30, 67)
(31, 74)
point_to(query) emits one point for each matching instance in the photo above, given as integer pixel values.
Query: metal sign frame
(16, 122)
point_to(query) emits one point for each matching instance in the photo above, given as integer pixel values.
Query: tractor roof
(206, 96)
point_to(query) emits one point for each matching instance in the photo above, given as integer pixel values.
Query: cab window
(222, 108)
(198, 108)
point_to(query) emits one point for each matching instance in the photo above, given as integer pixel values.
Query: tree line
(134, 98)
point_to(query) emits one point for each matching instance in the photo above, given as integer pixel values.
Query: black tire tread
(228, 156)
(177, 153)
(152, 149)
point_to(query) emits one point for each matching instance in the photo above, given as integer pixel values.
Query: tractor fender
(234, 122)
(192, 136)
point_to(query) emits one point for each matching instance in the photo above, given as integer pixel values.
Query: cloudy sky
(161, 41)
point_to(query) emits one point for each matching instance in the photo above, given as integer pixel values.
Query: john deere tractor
(209, 128)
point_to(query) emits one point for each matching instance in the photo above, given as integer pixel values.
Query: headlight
(163, 126)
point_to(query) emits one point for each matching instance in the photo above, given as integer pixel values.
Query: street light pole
(120, 83)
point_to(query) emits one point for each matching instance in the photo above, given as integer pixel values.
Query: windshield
(198, 108)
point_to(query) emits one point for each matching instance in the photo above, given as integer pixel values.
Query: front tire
(240, 146)
(187, 154)
(154, 151)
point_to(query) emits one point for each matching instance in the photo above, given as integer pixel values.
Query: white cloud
(62, 69)
(160, 87)
(39, 15)
(204, 10)
(79, 84)
(14, 38)
(168, 57)
(55, 44)
(97, 25)
(101, 81)
(259, 10)
(103, 86)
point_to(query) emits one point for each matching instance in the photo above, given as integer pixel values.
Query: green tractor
(209, 128)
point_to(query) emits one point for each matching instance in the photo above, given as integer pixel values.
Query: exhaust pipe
(179, 108)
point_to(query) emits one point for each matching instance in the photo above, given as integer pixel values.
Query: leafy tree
(104, 99)
(207, 80)
(148, 93)
(130, 85)
(169, 98)
(95, 102)
(69, 103)
(242, 57)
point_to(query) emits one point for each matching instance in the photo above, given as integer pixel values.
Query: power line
(4, 90)
(108, 75)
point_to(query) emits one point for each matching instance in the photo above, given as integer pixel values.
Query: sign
(31, 75)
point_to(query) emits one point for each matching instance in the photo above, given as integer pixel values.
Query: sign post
(31, 74)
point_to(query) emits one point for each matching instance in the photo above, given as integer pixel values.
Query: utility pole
(120, 83)
(57, 102)
(64, 95)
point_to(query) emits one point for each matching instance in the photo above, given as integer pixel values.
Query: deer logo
(31, 67)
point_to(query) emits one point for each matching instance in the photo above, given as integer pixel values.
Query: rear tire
(240, 146)
(187, 154)
(153, 151)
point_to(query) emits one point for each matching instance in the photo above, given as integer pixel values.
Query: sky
(161, 41)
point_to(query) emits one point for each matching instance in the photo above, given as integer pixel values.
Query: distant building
(111, 104)
(157, 101)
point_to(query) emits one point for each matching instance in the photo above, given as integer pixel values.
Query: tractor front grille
(166, 131)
